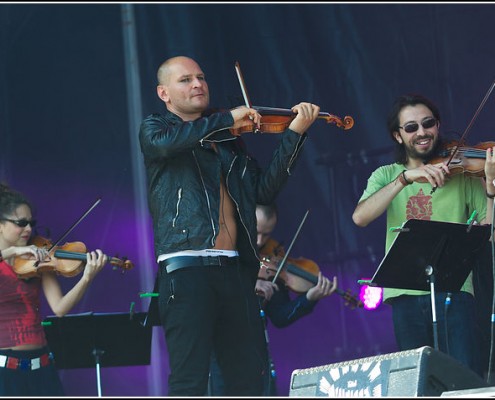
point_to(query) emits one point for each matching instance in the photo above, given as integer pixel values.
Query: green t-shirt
(454, 202)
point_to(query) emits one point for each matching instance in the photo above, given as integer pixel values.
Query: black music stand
(429, 256)
(98, 339)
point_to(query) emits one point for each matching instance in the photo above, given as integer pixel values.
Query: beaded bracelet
(490, 196)
(403, 179)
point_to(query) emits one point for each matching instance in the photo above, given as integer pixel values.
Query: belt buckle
(223, 261)
(211, 260)
(226, 261)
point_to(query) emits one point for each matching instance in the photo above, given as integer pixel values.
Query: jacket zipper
(245, 167)
(179, 198)
(207, 200)
(294, 154)
(237, 208)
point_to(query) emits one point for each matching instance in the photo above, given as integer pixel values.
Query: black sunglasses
(22, 223)
(414, 126)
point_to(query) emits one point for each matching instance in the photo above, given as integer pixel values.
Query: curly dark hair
(10, 199)
(411, 99)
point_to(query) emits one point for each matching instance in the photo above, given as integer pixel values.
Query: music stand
(431, 255)
(98, 340)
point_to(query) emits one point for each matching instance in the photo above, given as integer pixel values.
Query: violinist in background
(26, 365)
(275, 299)
(279, 306)
(412, 187)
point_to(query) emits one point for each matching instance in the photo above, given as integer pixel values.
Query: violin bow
(290, 247)
(243, 89)
(75, 224)
(243, 86)
(468, 128)
(482, 104)
(70, 229)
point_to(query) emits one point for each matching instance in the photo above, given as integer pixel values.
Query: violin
(300, 275)
(67, 260)
(466, 164)
(464, 160)
(277, 120)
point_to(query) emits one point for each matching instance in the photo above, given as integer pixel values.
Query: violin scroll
(350, 299)
(346, 123)
(123, 263)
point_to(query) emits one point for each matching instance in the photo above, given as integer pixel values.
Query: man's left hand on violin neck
(307, 114)
(323, 288)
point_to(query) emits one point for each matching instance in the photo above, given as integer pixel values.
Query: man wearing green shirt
(404, 191)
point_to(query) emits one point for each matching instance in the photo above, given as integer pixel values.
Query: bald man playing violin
(203, 187)
(413, 188)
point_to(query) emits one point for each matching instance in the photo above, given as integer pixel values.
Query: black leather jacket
(183, 176)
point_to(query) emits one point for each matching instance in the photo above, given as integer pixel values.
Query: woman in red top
(26, 365)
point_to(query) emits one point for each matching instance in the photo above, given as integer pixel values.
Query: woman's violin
(277, 120)
(462, 159)
(67, 260)
(300, 275)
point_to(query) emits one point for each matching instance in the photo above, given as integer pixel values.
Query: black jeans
(216, 386)
(212, 308)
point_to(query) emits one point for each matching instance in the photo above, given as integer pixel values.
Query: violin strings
(471, 152)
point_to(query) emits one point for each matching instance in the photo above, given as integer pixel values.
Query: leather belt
(174, 263)
(25, 363)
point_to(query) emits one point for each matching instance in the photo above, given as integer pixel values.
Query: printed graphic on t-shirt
(419, 206)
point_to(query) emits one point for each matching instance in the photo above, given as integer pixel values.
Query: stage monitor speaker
(419, 372)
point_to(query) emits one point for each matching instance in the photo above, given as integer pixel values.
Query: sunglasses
(414, 126)
(22, 223)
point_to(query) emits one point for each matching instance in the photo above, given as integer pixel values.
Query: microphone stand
(272, 373)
